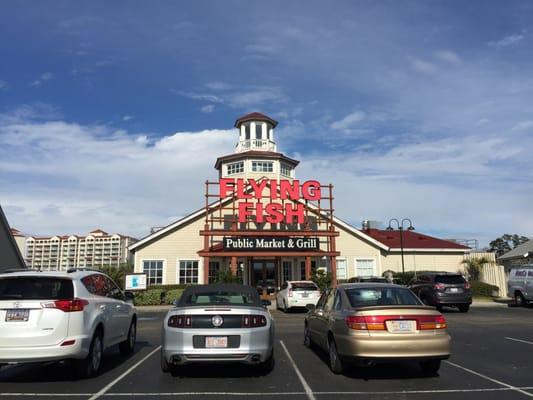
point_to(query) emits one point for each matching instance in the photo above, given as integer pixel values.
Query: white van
(520, 284)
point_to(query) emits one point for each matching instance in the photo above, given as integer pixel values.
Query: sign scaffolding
(269, 218)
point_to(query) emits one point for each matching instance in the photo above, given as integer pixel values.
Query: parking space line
(511, 387)
(518, 340)
(114, 382)
(307, 388)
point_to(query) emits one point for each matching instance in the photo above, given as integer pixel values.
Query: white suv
(297, 294)
(46, 316)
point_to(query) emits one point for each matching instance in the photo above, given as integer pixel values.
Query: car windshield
(450, 279)
(379, 296)
(219, 297)
(301, 286)
(35, 288)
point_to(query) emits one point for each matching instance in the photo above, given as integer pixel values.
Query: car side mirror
(310, 307)
(129, 295)
(266, 303)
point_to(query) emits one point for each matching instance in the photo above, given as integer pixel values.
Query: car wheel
(90, 365)
(464, 308)
(267, 366)
(307, 337)
(126, 347)
(285, 309)
(165, 367)
(335, 363)
(430, 367)
(519, 299)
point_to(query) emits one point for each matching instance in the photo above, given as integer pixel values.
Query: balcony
(256, 144)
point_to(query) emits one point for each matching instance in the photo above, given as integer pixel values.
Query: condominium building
(95, 250)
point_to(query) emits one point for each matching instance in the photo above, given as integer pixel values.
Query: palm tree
(474, 267)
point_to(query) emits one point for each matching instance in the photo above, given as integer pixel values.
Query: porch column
(307, 268)
(234, 266)
(206, 258)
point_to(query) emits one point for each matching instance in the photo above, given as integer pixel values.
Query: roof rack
(76, 269)
(11, 270)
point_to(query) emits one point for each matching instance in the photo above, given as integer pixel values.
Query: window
(214, 269)
(380, 296)
(35, 288)
(329, 301)
(302, 268)
(235, 168)
(188, 271)
(365, 266)
(287, 271)
(341, 269)
(530, 273)
(258, 131)
(154, 272)
(285, 170)
(450, 279)
(247, 131)
(337, 305)
(262, 166)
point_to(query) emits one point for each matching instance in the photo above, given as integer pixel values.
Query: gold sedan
(369, 323)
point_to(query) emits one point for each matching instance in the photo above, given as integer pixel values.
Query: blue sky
(112, 113)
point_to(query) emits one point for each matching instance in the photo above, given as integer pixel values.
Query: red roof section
(411, 240)
(255, 116)
(16, 232)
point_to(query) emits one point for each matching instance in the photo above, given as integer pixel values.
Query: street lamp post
(401, 228)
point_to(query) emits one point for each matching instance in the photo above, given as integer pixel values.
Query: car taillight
(368, 323)
(378, 322)
(253, 321)
(180, 321)
(289, 292)
(467, 285)
(71, 305)
(439, 286)
(431, 322)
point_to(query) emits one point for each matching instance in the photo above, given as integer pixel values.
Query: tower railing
(256, 144)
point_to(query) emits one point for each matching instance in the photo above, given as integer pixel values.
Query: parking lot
(491, 359)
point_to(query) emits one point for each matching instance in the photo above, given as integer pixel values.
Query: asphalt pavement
(492, 358)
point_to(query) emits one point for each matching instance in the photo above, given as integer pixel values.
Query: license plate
(17, 315)
(216, 341)
(454, 290)
(305, 294)
(401, 326)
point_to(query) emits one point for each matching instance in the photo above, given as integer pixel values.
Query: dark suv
(442, 289)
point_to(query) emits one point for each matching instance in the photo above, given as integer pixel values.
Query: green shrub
(482, 289)
(150, 297)
(172, 295)
(168, 287)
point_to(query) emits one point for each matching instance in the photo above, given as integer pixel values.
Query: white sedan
(297, 294)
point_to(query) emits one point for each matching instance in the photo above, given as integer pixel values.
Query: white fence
(492, 273)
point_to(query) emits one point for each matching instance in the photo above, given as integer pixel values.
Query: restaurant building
(265, 226)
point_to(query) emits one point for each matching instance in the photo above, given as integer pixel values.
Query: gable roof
(412, 240)
(255, 116)
(201, 213)
(519, 251)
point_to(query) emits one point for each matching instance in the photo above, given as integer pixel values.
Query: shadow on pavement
(219, 371)
(63, 370)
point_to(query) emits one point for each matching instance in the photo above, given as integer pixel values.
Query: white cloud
(95, 176)
(448, 57)
(349, 121)
(423, 66)
(208, 108)
(218, 85)
(127, 117)
(243, 97)
(46, 76)
(507, 40)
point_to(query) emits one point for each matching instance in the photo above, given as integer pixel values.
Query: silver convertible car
(218, 323)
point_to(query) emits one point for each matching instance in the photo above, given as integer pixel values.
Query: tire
(519, 299)
(285, 309)
(267, 366)
(165, 367)
(464, 308)
(430, 367)
(307, 338)
(335, 363)
(127, 346)
(90, 365)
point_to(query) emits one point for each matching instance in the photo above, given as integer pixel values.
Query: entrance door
(264, 277)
